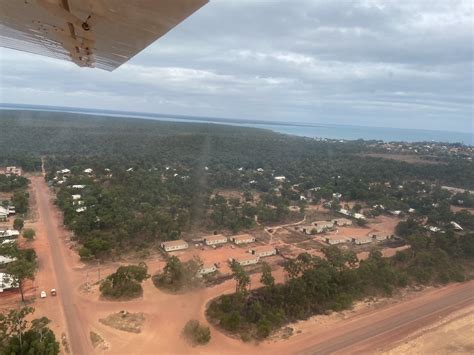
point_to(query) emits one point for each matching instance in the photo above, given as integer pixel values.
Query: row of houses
(211, 240)
(371, 237)
(324, 226)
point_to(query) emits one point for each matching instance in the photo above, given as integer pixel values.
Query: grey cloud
(368, 62)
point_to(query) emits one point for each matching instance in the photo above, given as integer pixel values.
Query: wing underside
(92, 33)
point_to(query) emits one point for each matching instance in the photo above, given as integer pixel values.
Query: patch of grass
(126, 321)
(96, 339)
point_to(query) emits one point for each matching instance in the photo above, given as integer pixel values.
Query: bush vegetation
(317, 285)
(125, 283)
(178, 275)
(195, 333)
(20, 336)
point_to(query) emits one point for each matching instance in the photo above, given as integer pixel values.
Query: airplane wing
(91, 33)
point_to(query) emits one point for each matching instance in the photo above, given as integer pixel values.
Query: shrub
(29, 233)
(125, 283)
(18, 223)
(196, 333)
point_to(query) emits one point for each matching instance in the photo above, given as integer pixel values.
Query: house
(88, 171)
(323, 226)
(173, 245)
(11, 210)
(263, 251)
(81, 209)
(3, 214)
(242, 239)
(7, 282)
(78, 186)
(215, 239)
(395, 213)
(337, 195)
(280, 178)
(433, 229)
(12, 170)
(5, 260)
(340, 222)
(309, 229)
(362, 240)
(456, 226)
(246, 260)
(10, 233)
(76, 197)
(411, 210)
(64, 171)
(379, 237)
(260, 170)
(345, 212)
(332, 241)
(207, 269)
(359, 216)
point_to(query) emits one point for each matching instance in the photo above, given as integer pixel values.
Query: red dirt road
(77, 337)
(382, 329)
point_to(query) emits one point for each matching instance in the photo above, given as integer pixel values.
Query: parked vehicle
(43, 294)
(53, 292)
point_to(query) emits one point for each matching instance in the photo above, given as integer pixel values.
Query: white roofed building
(215, 239)
(174, 245)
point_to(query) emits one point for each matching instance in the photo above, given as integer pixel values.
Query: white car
(43, 294)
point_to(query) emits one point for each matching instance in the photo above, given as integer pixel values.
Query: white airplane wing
(91, 33)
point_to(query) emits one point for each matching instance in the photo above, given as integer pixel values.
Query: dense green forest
(318, 285)
(153, 181)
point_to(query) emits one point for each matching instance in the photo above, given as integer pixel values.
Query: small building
(5, 260)
(263, 251)
(395, 213)
(7, 282)
(10, 233)
(215, 239)
(323, 226)
(207, 269)
(88, 171)
(280, 178)
(78, 186)
(242, 239)
(246, 260)
(12, 170)
(341, 222)
(81, 209)
(359, 216)
(345, 212)
(411, 210)
(337, 195)
(362, 240)
(76, 197)
(456, 226)
(174, 245)
(11, 210)
(379, 237)
(335, 241)
(3, 214)
(64, 171)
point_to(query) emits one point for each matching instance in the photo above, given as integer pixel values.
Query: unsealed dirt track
(77, 338)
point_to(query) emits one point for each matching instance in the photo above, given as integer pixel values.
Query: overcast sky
(375, 63)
